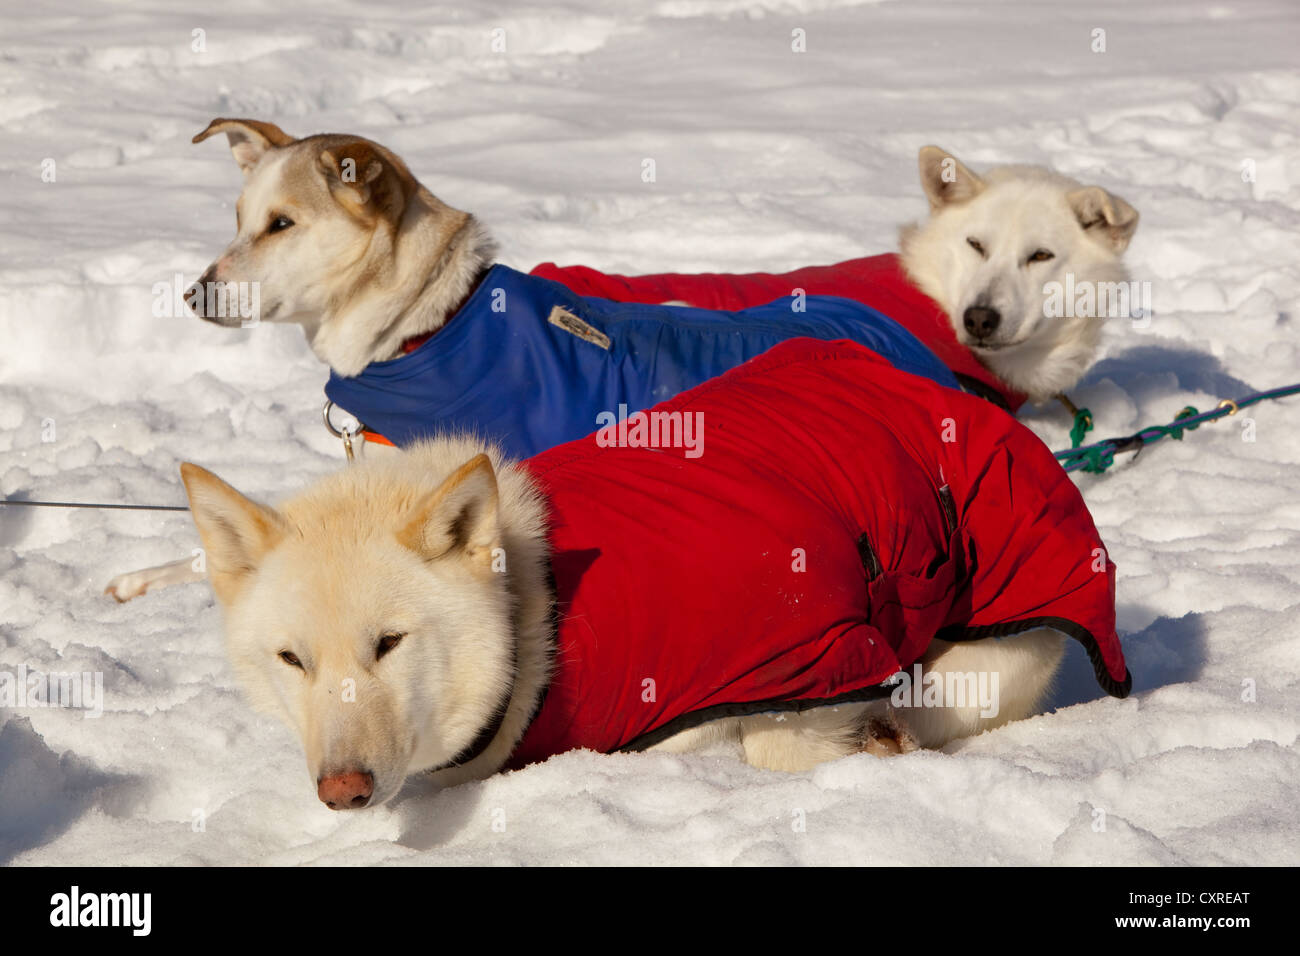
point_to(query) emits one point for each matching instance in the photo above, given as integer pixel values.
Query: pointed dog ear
(237, 533)
(249, 139)
(367, 180)
(459, 515)
(944, 178)
(1104, 216)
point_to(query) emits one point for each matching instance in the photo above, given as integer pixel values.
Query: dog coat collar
(492, 727)
(879, 282)
(530, 364)
(409, 345)
(488, 733)
(843, 515)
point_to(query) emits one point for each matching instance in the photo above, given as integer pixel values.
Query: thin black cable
(86, 504)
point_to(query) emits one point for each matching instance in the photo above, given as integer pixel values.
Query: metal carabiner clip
(346, 434)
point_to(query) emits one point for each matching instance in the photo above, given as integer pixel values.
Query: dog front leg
(124, 587)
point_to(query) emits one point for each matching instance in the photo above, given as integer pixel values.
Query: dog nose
(346, 791)
(195, 295)
(981, 321)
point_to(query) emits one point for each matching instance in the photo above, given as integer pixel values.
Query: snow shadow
(42, 793)
(1141, 373)
(430, 820)
(1167, 651)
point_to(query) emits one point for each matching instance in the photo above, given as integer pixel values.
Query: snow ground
(766, 159)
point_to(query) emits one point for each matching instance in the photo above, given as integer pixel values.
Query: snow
(765, 159)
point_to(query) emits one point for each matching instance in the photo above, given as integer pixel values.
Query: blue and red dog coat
(529, 363)
(842, 515)
(878, 282)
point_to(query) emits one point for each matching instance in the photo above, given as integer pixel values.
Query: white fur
(1014, 212)
(336, 575)
(372, 258)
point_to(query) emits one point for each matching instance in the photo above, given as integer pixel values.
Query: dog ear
(367, 180)
(249, 139)
(236, 533)
(1113, 220)
(944, 178)
(461, 514)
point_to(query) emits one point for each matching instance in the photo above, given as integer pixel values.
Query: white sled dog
(991, 247)
(342, 240)
(381, 575)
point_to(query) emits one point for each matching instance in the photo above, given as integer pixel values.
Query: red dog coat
(834, 516)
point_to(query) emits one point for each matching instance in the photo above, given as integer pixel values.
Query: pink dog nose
(346, 791)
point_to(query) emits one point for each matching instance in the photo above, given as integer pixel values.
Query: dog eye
(279, 224)
(290, 658)
(975, 244)
(1042, 255)
(387, 643)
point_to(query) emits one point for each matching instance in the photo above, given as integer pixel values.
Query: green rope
(1098, 457)
(1082, 425)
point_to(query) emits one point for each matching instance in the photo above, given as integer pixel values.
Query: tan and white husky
(366, 615)
(341, 239)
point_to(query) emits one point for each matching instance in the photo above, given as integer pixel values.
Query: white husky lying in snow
(397, 614)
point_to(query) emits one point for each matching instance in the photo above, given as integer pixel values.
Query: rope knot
(1176, 431)
(1098, 458)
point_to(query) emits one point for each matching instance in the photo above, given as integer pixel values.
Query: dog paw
(886, 737)
(124, 587)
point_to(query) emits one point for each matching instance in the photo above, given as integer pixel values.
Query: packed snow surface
(765, 158)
